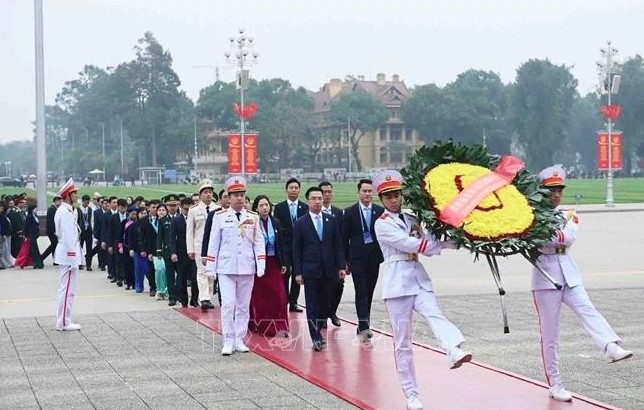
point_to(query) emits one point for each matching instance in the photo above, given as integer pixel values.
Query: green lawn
(593, 191)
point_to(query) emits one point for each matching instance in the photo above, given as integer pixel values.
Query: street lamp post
(103, 136)
(241, 56)
(610, 84)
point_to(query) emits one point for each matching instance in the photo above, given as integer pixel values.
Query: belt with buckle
(402, 257)
(560, 250)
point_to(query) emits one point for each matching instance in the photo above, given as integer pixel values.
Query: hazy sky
(308, 42)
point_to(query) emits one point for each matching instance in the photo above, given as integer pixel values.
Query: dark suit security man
(318, 261)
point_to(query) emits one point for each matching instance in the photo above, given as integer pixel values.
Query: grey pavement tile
(219, 395)
(241, 404)
(199, 386)
(13, 382)
(147, 390)
(327, 401)
(181, 401)
(280, 401)
(71, 402)
(11, 400)
(120, 403)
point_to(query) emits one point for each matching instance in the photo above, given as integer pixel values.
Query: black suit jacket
(282, 213)
(353, 235)
(178, 238)
(98, 223)
(315, 258)
(51, 226)
(114, 234)
(81, 222)
(206, 232)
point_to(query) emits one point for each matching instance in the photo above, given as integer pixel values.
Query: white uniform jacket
(401, 242)
(556, 258)
(236, 247)
(195, 224)
(68, 251)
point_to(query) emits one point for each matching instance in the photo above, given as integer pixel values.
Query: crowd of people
(255, 257)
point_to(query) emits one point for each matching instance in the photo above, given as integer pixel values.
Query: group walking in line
(256, 256)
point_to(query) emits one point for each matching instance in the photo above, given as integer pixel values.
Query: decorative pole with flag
(241, 56)
(609, 85)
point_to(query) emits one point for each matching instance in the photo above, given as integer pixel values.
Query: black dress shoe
(317, 345)
(206, 304)
(294, 308)
(89, 269)
(335, 321)
(194, 303)
(113, 280)
(323, 325)
(81, 267)
(172, 302)
(102, 268)
(185, 305)
(153, 293)
(127, 287)
(119, 283)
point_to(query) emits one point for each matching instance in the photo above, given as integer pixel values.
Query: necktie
(318, 226)
(402, 218)
(367, 217)
(327, 211)
(238, 215)
(207, 208)
(293, 211)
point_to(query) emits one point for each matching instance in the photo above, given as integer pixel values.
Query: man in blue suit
(318, 261)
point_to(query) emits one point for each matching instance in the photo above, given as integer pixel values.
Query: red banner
(611, 111)
(234, 154)
(250, 153)
(615, 153)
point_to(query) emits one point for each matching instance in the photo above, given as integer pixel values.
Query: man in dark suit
(114, 240)
(362, 252)
(51, 227)
(112, 208)
(186, 268)
(287, 212)
(99, 214)
(335, 294)
(84, 221)
(318, 261)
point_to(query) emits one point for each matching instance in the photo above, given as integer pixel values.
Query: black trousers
(315, 295)
(53, 241)
(86, 239)
(292, 287)
(365, 277)
(333, 298)
(187, 270)
(171, 278)
(123, 268)
(151, 278)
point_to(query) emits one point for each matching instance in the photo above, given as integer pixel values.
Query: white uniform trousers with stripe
(548, 305)
(68, 280)
(400, 312)
(236, 291)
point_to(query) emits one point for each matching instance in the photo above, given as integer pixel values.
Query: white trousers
(235, 306)
(68, 280)
(205, 283)
(400, 312)
(548, 305)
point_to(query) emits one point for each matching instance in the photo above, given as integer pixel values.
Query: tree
(631, 98)
(362, 112)
(585, 121)
(543, 98)
(425, 111)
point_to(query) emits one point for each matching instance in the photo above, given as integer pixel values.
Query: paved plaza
(135, 352)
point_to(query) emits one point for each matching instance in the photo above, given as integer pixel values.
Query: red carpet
(365, 376)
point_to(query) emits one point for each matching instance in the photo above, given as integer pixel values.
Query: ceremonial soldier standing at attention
(406, 286)
(236, 252)
(557, 261)
(68, 255)
(195, 224)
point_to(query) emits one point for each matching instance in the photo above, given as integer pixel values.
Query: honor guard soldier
(68, 255)
(194, 236)
(556, 260)
(17, 215)
(236, 252)
(406, 286)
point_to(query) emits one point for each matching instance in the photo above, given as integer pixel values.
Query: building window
(383, 134)
(395, 113)
(395, 133)
(396, 157)
(383, 156)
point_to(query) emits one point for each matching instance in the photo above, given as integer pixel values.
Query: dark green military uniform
(17, 219)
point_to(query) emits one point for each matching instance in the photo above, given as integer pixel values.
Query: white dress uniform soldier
(68, 255)
(195, 224)
(236, 252)
(557, 261)
(406, 286)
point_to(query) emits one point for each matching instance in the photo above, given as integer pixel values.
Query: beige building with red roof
(391, 144)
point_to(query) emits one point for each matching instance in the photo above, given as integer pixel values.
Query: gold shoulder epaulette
(193, 206)
(252, 212)
(220, 211)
